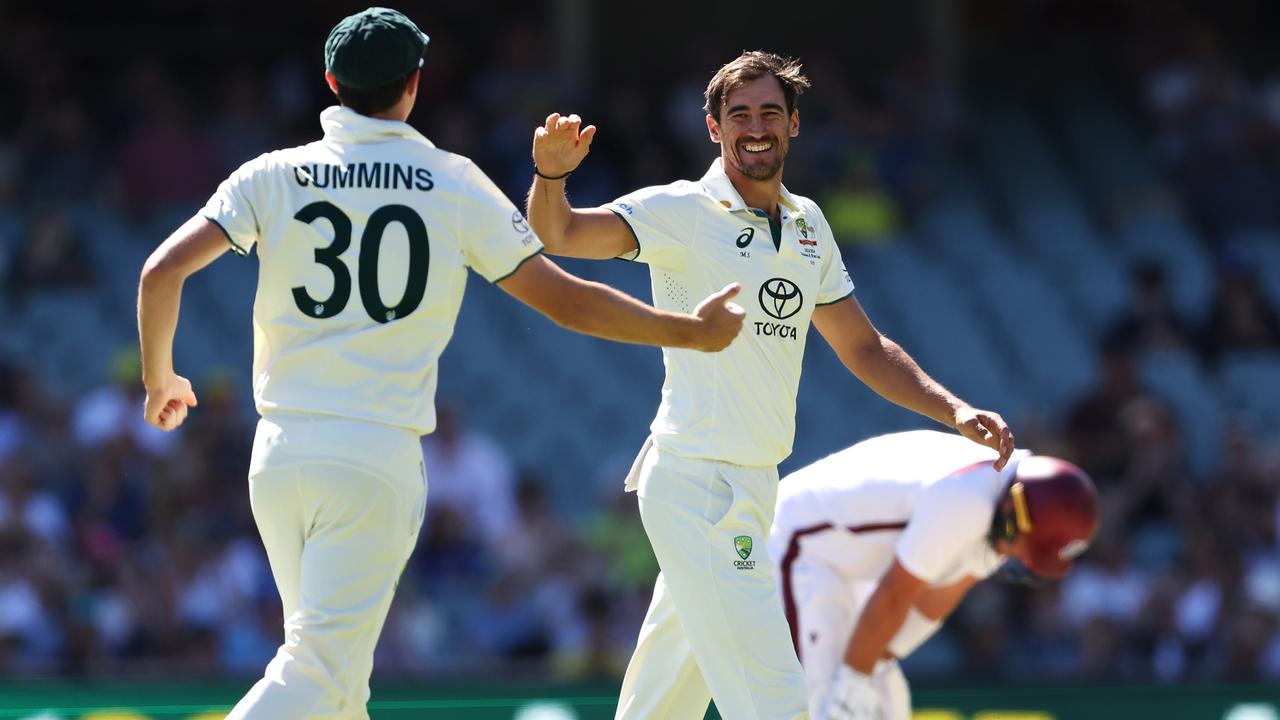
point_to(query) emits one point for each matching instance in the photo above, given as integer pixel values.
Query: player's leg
(662, 679)
(273, 498)
(895, 695)
(708, 533)
(824, 617)
(363, 527)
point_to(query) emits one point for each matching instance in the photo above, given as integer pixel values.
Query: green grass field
(181, 700)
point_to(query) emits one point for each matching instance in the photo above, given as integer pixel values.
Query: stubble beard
(760, 169)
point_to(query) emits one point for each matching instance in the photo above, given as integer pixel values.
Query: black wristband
(538, 172)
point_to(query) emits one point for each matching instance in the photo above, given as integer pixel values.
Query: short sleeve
(233, 206)
(949, 517)
(663, 219)
(834, 283)
(494, 235)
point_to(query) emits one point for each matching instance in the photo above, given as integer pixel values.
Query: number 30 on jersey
(367, 263)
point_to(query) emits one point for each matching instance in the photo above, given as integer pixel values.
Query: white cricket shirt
(737, 405)
(925, 497)
(364, 238)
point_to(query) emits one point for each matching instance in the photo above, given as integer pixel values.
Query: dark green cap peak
(373, 47)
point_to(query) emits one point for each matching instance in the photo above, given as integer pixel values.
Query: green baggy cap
(373, 47)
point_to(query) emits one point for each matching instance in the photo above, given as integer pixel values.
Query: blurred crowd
(124, 550)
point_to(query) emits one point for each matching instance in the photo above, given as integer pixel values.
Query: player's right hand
(721, 319)
(167, 401)
(561, 144)
(852, 696)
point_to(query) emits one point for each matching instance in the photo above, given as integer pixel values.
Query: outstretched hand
(986, 428)
(721, 319)
(167, 402)
(561, 144)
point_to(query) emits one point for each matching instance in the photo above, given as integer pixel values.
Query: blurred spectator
(166, 161)
(1151, 323)
(243, 130)
(859, 209)
(469, 474)
(1153, 484)
(1239, 318)
(113, 413)
(1108, 588)
(536, 539)
(616, 534)
(50, 256)
(605, 649)
(29, 509)
(1094, 434)
(450, 561)
(15, 426)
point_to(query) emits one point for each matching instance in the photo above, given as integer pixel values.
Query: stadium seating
(1010, 269)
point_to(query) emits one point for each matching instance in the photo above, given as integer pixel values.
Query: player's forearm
(159, 296)
(886, 368)
(550, 214)
(879, 623)
(599, 310)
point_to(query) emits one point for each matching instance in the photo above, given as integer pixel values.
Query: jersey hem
(234, 246)
(833, 302)
(519, 265)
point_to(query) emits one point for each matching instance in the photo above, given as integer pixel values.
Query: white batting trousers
(827, 610)
(338, 504)
(715, 627)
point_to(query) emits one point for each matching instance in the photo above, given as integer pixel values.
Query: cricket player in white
(363, 238)
(707, 477)
(875, 545)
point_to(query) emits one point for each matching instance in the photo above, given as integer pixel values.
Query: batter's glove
(853, 696)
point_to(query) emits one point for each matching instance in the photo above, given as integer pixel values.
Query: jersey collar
(342, 124)
(722, 190)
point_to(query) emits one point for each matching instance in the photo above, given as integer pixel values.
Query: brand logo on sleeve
(518, 223)
(742, 544)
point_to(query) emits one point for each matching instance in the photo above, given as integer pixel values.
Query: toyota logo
(780, 298)
(518, 223)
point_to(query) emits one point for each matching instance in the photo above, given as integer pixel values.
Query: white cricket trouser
(827, 607)
(339, 504)
(715, 627)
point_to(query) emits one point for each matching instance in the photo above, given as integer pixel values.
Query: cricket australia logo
(808, 241)
(742, 544)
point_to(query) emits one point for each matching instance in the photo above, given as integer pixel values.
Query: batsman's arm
(931, 608)
(883, 616)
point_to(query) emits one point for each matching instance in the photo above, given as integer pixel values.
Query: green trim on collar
(775, 227)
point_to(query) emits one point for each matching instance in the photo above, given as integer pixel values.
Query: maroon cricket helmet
(1053, 505)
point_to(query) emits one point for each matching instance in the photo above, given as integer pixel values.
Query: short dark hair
(749, 66)
(375, 99)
